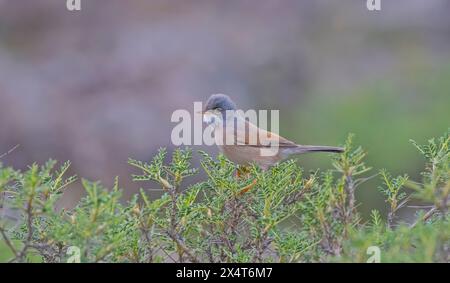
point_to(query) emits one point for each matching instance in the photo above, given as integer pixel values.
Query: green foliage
(427, 239)
(279, 215)
(435, 186)
(392, 191)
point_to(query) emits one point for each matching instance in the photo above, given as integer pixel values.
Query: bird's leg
(240, 171)
(247, 188)
(244, 172)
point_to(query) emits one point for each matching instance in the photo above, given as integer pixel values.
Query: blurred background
(100, 85)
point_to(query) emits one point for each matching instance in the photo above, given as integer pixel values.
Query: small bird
(242, 142)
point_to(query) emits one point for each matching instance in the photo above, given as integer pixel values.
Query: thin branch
(9, 151)
(363, 180)
(420, 206)
(425, 217)
(350, 190)
(8, 241)
(29, 212)
(166, 253)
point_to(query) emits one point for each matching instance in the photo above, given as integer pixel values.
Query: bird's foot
(242, 172)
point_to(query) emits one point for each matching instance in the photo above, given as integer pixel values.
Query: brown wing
(246, 133)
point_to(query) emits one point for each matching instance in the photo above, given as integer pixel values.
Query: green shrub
(281, 215)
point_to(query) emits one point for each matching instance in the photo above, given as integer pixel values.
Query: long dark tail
(315, 148)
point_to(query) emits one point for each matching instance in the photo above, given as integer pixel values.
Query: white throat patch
(211, 118)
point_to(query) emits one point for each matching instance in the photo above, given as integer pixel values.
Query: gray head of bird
(217, 107)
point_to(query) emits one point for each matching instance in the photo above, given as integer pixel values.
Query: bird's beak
(201, 112)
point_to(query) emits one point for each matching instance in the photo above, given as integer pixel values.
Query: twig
(392, 214)
(363, 180)
(148, 240)
(425, 217)
(350, 190)
(166, 253)
(185, 250)
(9, 151)
(173, 233)
(29, 212)
(261, 246)
(420, 206)
(8, 241)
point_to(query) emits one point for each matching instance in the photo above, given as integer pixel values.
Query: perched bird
(243, 142)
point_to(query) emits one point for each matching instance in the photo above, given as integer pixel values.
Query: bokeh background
(100, 85)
